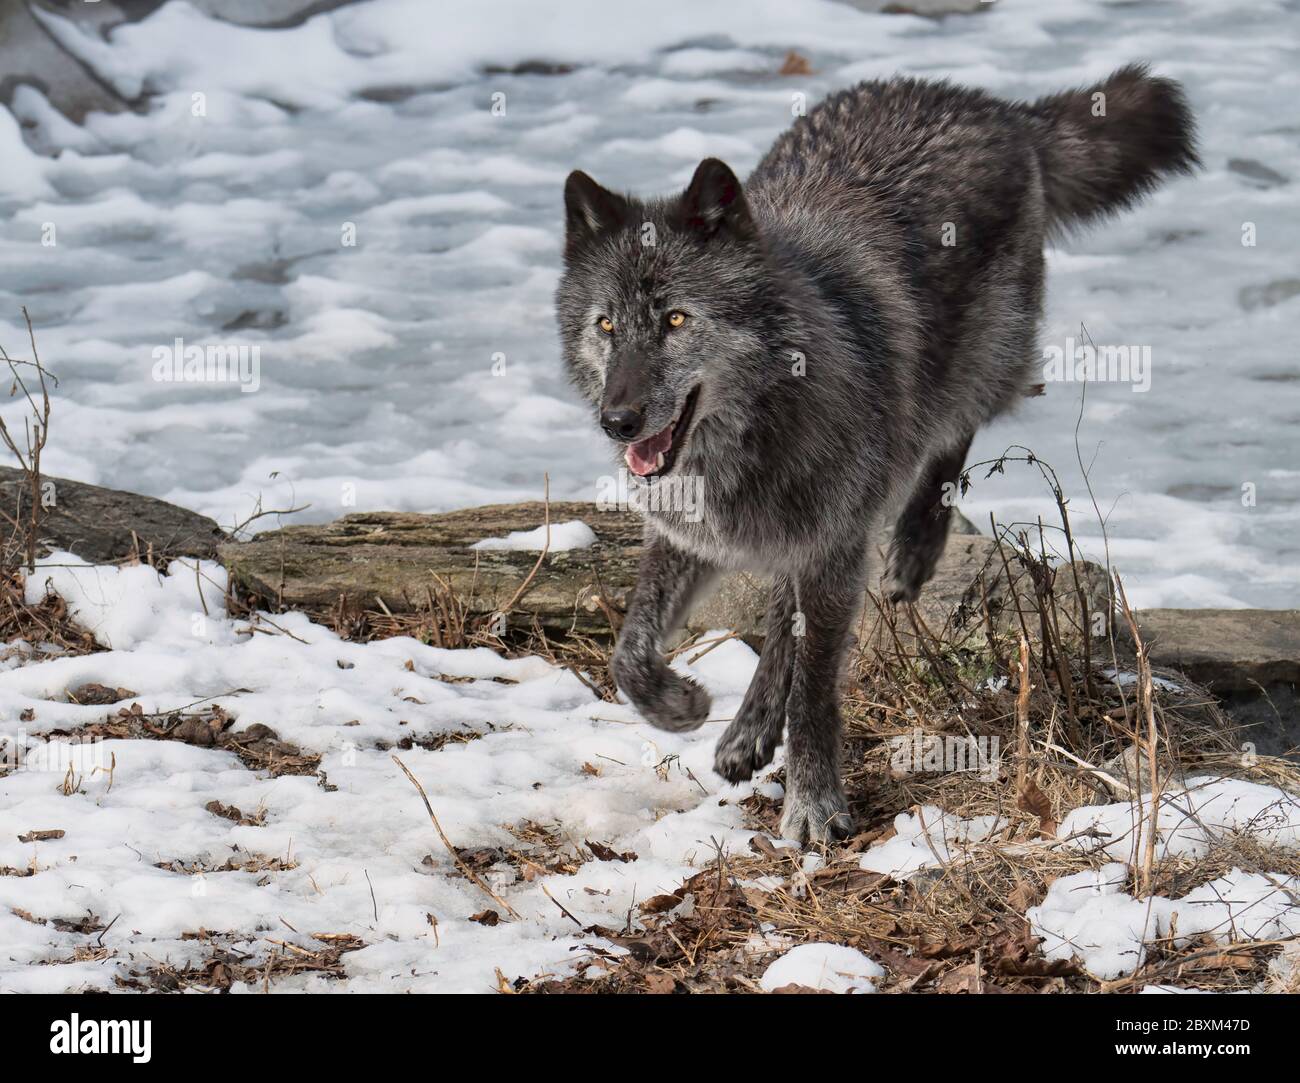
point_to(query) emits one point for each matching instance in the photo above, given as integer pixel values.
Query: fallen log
(397, 562)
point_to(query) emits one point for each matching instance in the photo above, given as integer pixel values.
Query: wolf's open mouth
(656, 454)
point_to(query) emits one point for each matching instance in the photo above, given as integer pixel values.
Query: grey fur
(833, 252)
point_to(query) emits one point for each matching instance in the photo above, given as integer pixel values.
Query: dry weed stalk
(25, 522)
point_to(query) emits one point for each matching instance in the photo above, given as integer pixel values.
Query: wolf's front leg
(667, 582)
(750, 741)
(922, 528)
(827, 599)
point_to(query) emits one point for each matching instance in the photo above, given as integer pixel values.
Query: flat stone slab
(1226, 650)
(103, 525)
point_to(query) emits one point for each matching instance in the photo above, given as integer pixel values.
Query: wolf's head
(659, 308)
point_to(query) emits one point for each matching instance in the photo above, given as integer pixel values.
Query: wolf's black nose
(622, 423)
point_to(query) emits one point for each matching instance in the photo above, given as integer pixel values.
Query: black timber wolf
(818, 346)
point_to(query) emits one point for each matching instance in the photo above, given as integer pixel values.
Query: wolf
(817, 346)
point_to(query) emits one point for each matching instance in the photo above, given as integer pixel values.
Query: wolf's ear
(715, 201)
(589, 209)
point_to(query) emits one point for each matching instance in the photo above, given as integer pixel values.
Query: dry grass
(20, 528)
(44, 627)
(258, 747)
(227, 964)
(1068, 736)
(959, 926)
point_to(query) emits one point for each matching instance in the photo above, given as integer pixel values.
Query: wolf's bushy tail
(1106, 146)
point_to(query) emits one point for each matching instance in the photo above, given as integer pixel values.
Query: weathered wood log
(397, 561)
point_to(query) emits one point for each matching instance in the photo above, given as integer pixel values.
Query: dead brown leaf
(964, 979)
(795, 64)
(1031, 799)
(607, 853)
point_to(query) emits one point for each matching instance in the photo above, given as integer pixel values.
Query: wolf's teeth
(659, 461)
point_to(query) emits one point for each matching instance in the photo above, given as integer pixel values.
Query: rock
(738, 603)
(1268, 294)
(99, 695)
(1248, 658)
(103, 525)
(1226, 650)
(403, 561)
(1133, 767)
(1269, 718)
(932, 9)
(29, 55)
(196, 730)
(398, 561)
(267, 14)
(1257, 173)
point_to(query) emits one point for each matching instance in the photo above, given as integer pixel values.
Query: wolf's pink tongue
(643, 457)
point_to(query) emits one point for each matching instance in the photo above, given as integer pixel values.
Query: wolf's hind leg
(750, 741)
(922, 529)
(668, 580)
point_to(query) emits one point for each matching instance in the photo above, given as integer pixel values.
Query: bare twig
(469, 873)
(546, 548)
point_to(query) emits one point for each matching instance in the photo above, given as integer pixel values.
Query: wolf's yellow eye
(606, 325)
(676, 319)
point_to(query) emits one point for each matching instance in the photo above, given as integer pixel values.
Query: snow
(409, 42)
(1089, 917)
(574, 534)
(1155, 989)
(546, 752)
(23, 177)
(925, 838)
(831, 968)
(126, 606)
(1127, 679)
(418, 369)
(1190, 820)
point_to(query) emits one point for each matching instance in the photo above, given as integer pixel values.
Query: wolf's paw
(745, 748)
(814, 818)
(905, 575)
(900, 593)
(668, 701)
(678, 704)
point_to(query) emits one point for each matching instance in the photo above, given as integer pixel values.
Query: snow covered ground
(374, 205)
(547, 753)
(1089, 916)
(114, 870)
